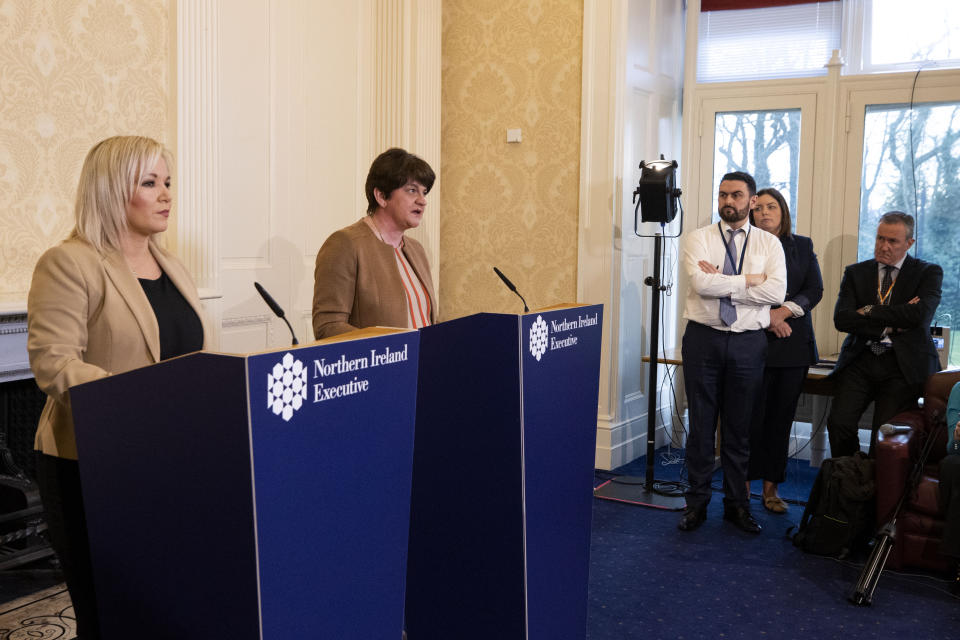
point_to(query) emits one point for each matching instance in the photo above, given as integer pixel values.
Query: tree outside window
(911, 163)
(765, 144)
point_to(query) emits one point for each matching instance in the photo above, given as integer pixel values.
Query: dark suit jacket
(912, 344)
(805, 289)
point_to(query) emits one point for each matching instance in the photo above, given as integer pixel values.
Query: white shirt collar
(726, 227)
(896, 266)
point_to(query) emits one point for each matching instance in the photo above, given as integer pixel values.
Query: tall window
(765, 144)
(911, 163)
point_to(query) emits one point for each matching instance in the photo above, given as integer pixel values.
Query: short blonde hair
(110, 176)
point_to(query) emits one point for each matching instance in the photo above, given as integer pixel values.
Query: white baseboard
(625, 441)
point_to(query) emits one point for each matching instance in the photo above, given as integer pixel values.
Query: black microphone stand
(277, 310)
(513, 288)
(886, 537)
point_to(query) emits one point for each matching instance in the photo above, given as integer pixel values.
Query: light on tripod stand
(656, 195)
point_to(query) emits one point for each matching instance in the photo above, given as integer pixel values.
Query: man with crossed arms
(886, 306)
(736, 273)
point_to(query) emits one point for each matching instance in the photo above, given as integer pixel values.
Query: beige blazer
(87, 318)
(356, 283)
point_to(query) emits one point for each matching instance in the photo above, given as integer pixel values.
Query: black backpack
(839, 515)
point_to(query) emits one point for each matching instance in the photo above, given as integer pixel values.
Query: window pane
(911, 162)
(765, 144)
(898, 35)
(776, 42)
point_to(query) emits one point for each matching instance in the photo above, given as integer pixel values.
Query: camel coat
(87, 318)
(357, 284)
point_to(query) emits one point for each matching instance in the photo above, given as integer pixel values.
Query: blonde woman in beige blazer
(369, 274)
(106, 300)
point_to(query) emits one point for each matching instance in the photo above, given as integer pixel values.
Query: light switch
(513, 135)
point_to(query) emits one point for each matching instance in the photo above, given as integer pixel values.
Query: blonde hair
(110, 176)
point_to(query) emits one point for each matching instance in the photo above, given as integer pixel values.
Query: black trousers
(869, 378)
(950, 503)
(772, 422)
(722, 375)
(59, 481)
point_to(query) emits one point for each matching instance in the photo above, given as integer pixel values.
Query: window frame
(729, 101)
(861, 93)
(857, 42)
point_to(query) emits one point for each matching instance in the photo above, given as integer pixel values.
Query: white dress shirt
(764, 254)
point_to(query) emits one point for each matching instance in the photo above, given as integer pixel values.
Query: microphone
(276, 309)
(891, 429)
(510, 286)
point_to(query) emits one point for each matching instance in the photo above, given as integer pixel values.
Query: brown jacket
(356, 283)
(87, 318)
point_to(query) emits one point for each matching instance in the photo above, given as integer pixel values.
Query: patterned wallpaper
(71, 73)
(509, 64)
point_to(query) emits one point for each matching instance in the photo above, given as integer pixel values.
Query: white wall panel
(631, 94)
(332, 99)
(296, 115)
(245, 129)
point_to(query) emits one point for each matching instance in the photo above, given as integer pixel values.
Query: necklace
(146, 272)
(376, 230)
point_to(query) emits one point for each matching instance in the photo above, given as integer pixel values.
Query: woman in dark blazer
(106, 300)
(791, 349)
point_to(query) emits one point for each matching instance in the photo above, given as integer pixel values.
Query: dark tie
(886, 284)
(728, 312)
(883, 298)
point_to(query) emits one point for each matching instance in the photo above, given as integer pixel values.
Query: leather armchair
(920, 523)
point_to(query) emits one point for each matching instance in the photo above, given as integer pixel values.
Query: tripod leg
(870, 575)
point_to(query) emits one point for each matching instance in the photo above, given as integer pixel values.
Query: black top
(805, 289)
(180, 328)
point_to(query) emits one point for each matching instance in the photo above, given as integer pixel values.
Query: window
(765, 144)
(797, 40)
(911, 163)
(892, 37)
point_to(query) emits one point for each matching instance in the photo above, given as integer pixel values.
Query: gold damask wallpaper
(72, 72)
(509, 64)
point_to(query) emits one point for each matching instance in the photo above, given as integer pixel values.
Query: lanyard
(726, 247)
(882, 297)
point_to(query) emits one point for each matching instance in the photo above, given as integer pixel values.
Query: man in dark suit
(886, 306)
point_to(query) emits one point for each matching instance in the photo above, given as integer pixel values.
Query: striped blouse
(418, 302)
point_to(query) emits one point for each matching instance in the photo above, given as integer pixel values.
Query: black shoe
(692, 518)
(741, 517)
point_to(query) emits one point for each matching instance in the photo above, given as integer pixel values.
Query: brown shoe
(774, 504)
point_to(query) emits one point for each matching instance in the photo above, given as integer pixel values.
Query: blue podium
(253, 497)
(503, 476)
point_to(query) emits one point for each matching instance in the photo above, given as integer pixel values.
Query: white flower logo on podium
(538, 338)
(286, 387)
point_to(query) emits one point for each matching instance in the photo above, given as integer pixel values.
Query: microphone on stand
(276, 309)
(510, 286)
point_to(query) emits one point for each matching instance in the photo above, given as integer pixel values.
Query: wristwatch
(867, 309)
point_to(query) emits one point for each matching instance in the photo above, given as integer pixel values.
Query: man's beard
(731, 214)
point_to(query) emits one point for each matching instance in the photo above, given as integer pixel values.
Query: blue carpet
(649, 580)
